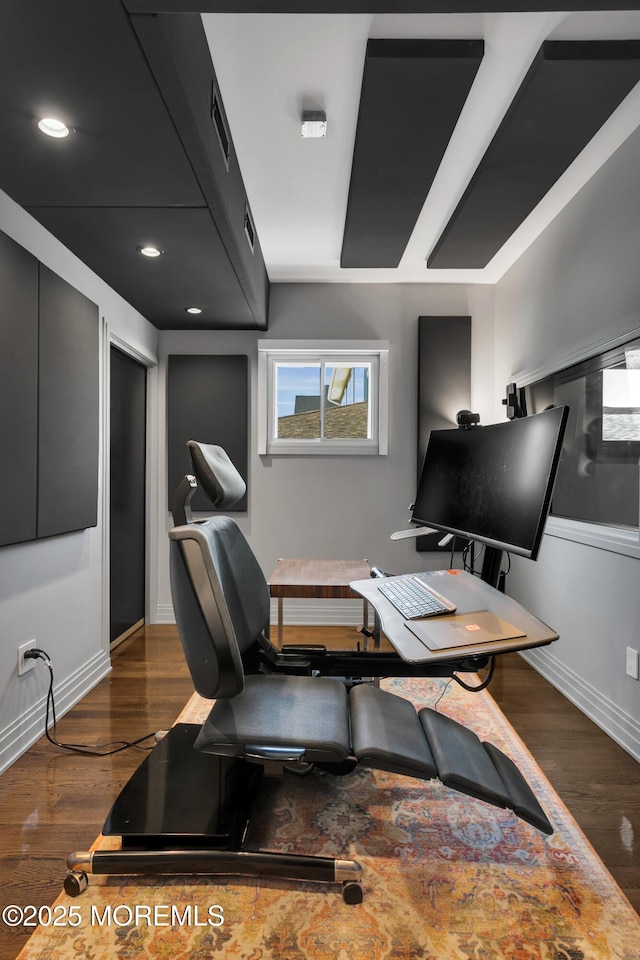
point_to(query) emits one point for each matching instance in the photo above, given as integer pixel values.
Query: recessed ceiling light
(194, 310)
(53, 128)
(148, 250)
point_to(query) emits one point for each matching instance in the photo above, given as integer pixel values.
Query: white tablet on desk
(463, 630)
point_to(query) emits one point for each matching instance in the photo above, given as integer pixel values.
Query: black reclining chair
(270, 724)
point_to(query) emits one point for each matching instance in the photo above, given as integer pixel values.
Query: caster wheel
(75, 883)
(352, 892)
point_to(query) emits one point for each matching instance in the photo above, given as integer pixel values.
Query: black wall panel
(18, 391)
(68, 405)
(207, 400)
(444, 384)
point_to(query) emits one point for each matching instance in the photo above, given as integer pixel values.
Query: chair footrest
(386, 733)
(523, 800)
(479, 769)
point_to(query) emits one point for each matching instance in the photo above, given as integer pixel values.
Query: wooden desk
(470, 594)
(316, 579)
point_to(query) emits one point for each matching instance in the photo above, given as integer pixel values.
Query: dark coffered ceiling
(143, 164)
(454, 136)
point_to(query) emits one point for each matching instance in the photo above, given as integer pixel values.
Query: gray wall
(53, 590)
(339, 507)
(574, 290)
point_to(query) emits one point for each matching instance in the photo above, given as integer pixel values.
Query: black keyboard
(413, 599)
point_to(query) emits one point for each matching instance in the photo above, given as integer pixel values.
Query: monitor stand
(491, 565)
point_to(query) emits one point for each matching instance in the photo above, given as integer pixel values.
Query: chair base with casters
(164, 834)
(161, 834)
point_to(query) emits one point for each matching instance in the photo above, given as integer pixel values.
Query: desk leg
(280, 622)
(377, 630)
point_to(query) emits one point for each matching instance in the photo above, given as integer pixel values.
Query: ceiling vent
(220, 126)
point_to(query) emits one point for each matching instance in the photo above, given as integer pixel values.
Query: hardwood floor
(598, 781)
(54, 802)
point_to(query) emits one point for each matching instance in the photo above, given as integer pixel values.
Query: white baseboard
(309, 613)
(164, 613)
(23, 732)
(620, 726)
(317, 613)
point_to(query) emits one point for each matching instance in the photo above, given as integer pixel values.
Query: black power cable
(101, 750)
(481, 686)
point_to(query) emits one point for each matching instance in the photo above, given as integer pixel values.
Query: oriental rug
(445, 877)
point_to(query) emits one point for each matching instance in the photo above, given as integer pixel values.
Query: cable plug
(35, 653)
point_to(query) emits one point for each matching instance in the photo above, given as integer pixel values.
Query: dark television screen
(493, 484)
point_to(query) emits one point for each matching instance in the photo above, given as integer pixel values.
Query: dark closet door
(127, 486)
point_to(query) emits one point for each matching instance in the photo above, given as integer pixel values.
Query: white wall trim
(619, 725)
(614, 539)
(27, 728)
(310, 613)
(164, 613)
(317, 613)
(146, 359)
(628, 330)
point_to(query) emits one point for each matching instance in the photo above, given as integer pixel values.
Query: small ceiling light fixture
(314, 123)
(53, 128)
(194, 310)
(148, 250)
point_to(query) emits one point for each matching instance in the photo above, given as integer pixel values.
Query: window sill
(310, 448)
(614, 539)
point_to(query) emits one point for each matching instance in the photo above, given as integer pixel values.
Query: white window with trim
(323, 397)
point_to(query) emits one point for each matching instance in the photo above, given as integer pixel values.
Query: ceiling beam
(570, 91)
(411, 98)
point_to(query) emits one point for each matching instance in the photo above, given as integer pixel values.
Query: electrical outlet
(632, 668)
(25, 664)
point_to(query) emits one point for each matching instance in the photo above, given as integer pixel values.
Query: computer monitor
(493, 484)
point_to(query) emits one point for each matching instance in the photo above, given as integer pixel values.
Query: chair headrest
(216, 474)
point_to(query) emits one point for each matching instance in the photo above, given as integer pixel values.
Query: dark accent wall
(49, 393)
(444, 384)
(207, 400)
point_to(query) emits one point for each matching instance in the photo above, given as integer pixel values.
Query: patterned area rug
(445, 877)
